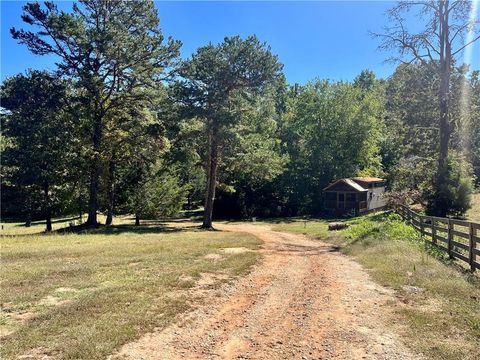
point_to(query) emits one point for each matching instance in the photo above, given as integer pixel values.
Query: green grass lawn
(439, 308)
(81, 296)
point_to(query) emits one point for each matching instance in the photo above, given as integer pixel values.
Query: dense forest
(124, 125)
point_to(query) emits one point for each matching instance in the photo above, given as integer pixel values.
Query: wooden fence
(460, 239)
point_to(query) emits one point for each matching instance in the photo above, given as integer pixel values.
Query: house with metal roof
(355, 195)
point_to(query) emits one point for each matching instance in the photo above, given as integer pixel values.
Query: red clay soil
(304, 300)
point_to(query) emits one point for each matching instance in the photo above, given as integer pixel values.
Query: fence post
(471, 250)
(410, 216)
(434, 231)
(449, 238)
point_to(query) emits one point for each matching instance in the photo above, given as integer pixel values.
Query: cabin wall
(375, 198)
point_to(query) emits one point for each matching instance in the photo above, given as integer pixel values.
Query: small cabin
(355, 195)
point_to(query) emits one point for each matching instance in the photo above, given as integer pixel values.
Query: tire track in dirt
(304, 300)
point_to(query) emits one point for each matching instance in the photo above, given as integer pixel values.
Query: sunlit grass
(81, 296)
(474, 213)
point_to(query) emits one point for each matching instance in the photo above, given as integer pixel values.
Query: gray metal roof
(355, 185)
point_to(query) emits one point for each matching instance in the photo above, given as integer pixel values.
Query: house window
(351, 197)
(331, 196)
(341, 197)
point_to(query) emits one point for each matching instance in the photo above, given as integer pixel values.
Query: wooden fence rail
(460, 239)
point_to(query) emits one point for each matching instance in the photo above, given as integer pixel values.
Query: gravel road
(304, 300)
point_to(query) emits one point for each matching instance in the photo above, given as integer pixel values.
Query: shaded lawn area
(81, 296)
(59, 224)
(438, 312)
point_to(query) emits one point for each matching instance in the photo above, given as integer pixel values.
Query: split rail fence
(460, 239)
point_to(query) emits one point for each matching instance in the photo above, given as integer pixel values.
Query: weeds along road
(304, 300)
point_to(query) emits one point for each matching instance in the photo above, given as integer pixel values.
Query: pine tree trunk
(95, 172)
(48, 210)
(442, 202)
(137, 220)
(80, 209)
(111, 190)
(28, 221)
(212, 167)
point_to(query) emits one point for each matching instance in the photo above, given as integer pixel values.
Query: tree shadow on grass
(150, 227)
(41, 222)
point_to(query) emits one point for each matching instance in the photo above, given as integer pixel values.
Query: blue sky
(312, 39)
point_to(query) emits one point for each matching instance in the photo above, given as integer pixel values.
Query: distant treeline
(124, 127)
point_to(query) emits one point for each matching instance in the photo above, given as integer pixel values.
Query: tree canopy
(123, 126)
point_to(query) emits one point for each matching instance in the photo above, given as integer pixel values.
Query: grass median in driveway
(439, 309)
(81, 296)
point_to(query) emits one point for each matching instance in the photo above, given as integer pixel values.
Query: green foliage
(471, 123)
(383, 226)
(220, 86)
(114, 52)
(457, 189)
(411, 96)
(157, 195)
(253, 140)
(411, 104)
(366, 80)
(87, 42)
(186, 153)
(331, 130)
(412, 115)
(218, 78)
(229, 123)
(38, 157)
(413, 174)
(326, 131)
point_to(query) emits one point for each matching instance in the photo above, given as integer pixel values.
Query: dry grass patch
(81, 296)
(474, 213)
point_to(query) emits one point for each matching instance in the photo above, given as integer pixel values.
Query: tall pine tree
(114, 50)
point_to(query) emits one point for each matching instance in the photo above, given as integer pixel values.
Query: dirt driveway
(303, 301)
